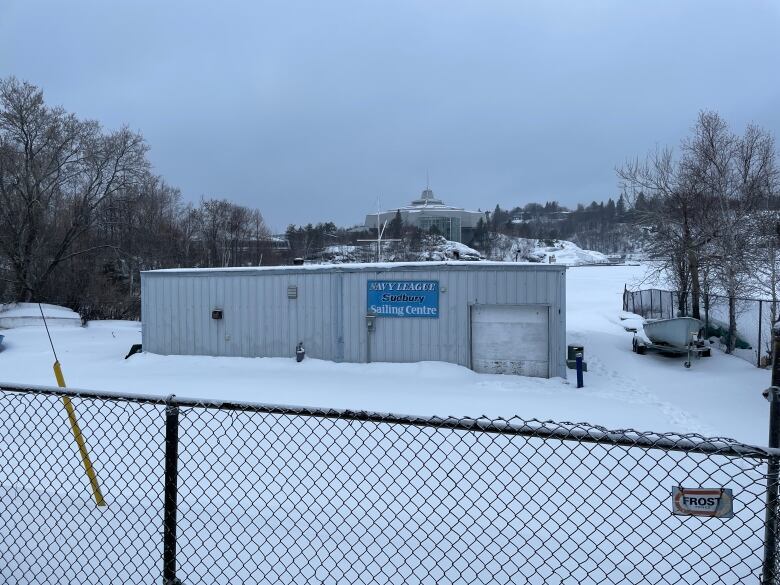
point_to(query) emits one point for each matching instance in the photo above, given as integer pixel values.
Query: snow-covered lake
(717, 396)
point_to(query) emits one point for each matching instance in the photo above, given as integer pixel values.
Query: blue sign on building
(403, 298)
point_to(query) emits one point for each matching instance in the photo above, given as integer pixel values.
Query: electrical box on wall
(216, 314)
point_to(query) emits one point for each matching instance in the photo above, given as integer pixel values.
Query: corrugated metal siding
(329, 314)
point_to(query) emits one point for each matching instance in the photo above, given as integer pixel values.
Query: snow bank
(449, 250)
(433, 248)
(341, 254)
(571, 254)
(512, 249)
(28, 314)
(509, 249)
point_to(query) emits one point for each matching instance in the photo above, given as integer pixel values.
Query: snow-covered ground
(569, 253)
(514, 249)
(448, 250)
(503, 248)
(717, 396)
(316, 501)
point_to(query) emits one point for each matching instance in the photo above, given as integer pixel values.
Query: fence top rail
(564, 431)
(677, 292)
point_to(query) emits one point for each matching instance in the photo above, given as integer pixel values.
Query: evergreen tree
(480, 233)
(495, 218)
(499, 220)
(641, 203)
(620, 208)
(611, 209)
(396, 225)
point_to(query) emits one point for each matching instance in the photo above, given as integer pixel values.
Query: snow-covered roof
(34, 310)
(362, 266)
(26, 314)
(426, 198)
(426, 202)
(430, 207)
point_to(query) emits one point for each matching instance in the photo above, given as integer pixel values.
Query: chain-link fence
(754, 318)
(203, 493)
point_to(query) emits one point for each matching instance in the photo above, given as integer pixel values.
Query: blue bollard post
(579, 370)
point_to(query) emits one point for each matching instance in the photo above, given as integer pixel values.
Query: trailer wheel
(687, 364)
(641, 348)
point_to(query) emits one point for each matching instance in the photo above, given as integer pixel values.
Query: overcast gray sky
(311, 110)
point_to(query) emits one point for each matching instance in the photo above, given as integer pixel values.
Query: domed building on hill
(427, 212)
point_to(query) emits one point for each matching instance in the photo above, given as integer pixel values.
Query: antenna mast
(380, 230)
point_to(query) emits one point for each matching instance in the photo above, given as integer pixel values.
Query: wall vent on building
(292, 292)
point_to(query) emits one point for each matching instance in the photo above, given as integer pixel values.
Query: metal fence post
(170, 494)
(773, 468)
(760, 319)
(651, 303)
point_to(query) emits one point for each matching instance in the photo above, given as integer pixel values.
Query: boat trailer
(679, 336)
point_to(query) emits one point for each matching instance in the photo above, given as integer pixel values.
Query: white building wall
(329, 315)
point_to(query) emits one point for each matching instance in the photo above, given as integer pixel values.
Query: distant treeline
(602, 226)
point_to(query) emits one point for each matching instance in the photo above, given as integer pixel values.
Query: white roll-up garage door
(510, 339)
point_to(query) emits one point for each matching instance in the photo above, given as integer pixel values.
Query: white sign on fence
(712, 502)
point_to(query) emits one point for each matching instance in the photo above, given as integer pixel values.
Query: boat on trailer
(675, 336)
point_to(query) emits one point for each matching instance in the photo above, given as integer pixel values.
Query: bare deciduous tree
(703, 213)
(669, 216)
(56, 171)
